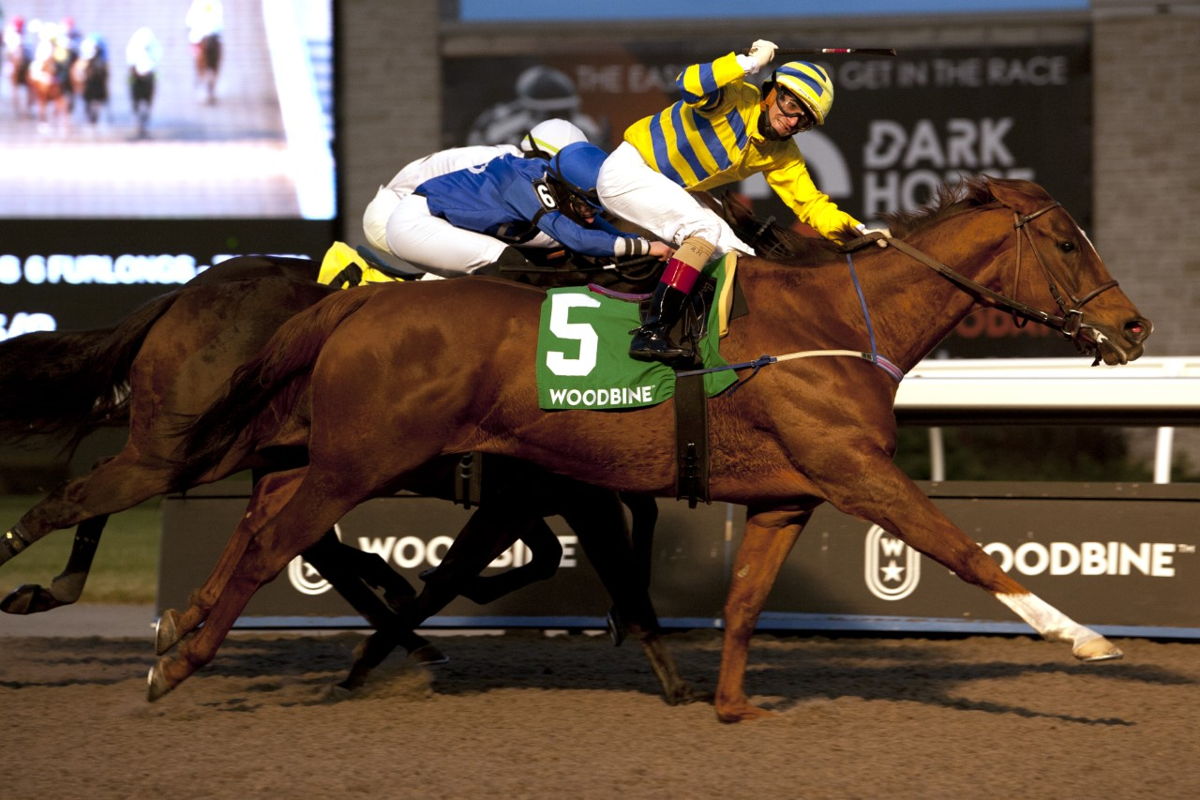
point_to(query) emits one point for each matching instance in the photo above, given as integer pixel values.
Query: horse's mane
(950, 199)
(796, 249)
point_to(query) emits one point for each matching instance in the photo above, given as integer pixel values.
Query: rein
(1068, 324)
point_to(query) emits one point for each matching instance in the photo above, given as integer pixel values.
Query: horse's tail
(58, 385)
(267, 385)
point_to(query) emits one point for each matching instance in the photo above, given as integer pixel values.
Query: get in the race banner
(900, 128)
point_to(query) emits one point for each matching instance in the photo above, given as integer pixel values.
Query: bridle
(1069, 323)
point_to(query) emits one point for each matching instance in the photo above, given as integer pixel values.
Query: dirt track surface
(524, 716)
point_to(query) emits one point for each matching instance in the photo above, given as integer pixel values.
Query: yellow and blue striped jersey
(710, 138)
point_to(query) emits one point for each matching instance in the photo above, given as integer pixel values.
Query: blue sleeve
(574, 236)
(602, 224)
(604, 243)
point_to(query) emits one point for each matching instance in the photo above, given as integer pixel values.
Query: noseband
(1069, 323)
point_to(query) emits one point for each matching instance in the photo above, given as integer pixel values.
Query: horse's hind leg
(286, 515)
(267, 496)
(598, 519)
(115, 485)
(67, 586)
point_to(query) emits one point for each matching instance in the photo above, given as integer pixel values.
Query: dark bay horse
(206, 55)
(89, 81)
(172, 356)
(801, 433)
(17, 56)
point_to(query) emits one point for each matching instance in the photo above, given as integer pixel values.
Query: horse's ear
(1024, 197)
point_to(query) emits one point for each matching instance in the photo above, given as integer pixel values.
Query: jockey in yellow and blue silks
(723, 129)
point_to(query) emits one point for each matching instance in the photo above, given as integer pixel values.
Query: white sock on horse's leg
(1056, 626)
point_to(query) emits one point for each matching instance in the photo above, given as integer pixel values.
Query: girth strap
(691, 438)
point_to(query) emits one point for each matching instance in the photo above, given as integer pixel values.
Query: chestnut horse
(804, 432)
(48, 86)
(171, 356)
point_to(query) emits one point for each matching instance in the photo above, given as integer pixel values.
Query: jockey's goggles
(790, 106)
(579, 207)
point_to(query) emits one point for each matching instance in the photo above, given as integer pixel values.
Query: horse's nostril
(1137, 330)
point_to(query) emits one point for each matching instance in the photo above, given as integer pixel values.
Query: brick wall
(1147, 165)
(390, 96)
(1147, 169)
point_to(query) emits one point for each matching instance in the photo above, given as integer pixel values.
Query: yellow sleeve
(791, 181)
(701, 83)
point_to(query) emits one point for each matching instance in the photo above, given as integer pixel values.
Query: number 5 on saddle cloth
(583, 346)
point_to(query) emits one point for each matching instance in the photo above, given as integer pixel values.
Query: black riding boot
(652, 341)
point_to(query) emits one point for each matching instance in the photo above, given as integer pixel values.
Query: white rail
(1158, 391)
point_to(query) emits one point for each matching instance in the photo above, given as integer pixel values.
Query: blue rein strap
(874, 357)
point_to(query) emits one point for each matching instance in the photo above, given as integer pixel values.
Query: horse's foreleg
(768, 538)
(913, 518)
(546, 555)
(490, 530)
(644, 510)
(349, 570)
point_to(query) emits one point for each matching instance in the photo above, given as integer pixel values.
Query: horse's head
(1059, 270)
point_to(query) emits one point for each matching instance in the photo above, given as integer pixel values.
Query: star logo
(893, 572)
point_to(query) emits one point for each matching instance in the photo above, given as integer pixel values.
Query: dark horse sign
(379, 381)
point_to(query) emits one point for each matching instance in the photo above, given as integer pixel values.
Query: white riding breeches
(433, 244)
(633, 190)
(375, 218)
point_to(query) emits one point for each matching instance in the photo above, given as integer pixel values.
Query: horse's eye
(1066, 247)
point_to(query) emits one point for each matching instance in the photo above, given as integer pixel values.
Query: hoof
(156, 683)
(1097, 648)
(686, 695)
(337, 692)
(429, 656)
(743, 713)
(616, 627)
(29, 598)
(166, 631)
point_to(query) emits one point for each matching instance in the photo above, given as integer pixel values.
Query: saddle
(344, 267)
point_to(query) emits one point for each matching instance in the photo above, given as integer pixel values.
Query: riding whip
(836, 51)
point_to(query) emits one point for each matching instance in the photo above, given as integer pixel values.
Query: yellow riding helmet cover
(809, 82)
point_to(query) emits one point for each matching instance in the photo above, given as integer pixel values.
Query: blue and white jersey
(510, 198)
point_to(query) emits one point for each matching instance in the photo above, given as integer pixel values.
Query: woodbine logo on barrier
(1061, 539)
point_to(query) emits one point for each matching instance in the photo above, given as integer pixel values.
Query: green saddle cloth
(583, 353)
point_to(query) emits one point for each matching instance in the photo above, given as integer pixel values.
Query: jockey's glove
(883, 240)
(758, 56)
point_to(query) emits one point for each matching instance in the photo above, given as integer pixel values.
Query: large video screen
(167, 109)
